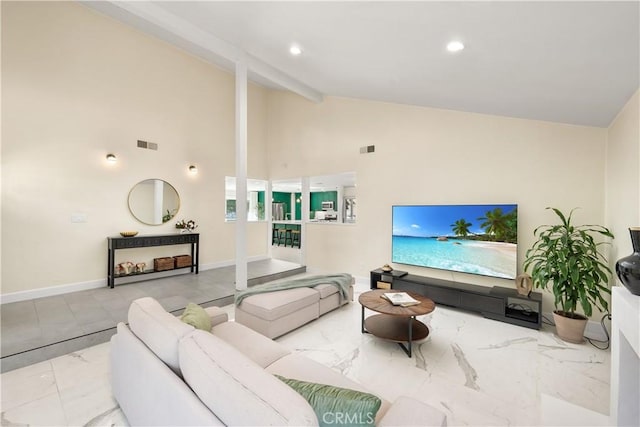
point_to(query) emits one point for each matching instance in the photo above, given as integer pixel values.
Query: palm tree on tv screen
(499, 226)
(494, 223)
(511, 233)
(461, 227)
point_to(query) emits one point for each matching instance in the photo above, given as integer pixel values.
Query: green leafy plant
(567, 259)
(167, 217)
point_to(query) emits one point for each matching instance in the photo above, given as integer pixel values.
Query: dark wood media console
(497, 303)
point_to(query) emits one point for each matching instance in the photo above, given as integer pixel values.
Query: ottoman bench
(275, 313)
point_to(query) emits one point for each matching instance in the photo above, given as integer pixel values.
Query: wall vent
(147, 145)
(367, 149)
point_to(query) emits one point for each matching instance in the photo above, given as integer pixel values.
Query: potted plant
(567, 259)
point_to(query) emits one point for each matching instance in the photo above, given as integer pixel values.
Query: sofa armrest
(406, 411)
(217, 315)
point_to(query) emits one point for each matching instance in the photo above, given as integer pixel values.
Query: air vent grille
(147, 145)
(367, 149)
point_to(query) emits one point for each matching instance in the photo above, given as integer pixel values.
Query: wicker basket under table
(162, 264)
(183, 261)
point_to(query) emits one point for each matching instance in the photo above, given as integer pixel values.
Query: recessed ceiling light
(295, 50)
(455, 46)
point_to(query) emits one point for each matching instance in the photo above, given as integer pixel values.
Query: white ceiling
(570, 62)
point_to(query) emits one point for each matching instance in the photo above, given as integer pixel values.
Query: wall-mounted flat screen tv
(476, 239)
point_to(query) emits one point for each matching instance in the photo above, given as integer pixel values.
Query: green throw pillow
(197, 317)
(335, 406)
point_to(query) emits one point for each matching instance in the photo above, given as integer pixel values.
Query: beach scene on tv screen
(476, 239)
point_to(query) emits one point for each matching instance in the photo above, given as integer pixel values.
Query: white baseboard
(51, 291)
(92, 284)
(593, 330)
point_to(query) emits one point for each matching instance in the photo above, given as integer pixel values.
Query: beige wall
(76, 86)
(623, 177)
(430, 156)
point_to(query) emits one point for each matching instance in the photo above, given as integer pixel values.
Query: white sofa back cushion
(236, 389)
(159, 330)
(148, 392)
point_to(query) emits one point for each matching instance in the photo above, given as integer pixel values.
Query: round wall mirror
(153, 201)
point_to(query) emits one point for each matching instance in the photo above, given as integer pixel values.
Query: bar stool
(281, 235)
(288, 237)
(274, 235)
(296, 238)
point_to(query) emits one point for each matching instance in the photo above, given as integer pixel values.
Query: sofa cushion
(255, 346)
(159, 330)
(302, 368)
(236, 389)
(197, 317)
(140, 381)
(217, 315)
(337, 405)
(326, 290)
(273, 305)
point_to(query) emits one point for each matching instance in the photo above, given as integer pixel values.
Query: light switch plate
(78, 217)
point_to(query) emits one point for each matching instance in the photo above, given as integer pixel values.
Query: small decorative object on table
(140, 267)
(162, 264)
(524, 284)
(128, 233)
(186, 226)
(386, 268)
(126, 267)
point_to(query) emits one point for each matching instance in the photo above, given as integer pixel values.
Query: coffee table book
(400, 298)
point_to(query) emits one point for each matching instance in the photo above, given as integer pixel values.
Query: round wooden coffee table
(395, 323)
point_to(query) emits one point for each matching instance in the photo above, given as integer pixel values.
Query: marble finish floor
(43, 328)
(478, 371)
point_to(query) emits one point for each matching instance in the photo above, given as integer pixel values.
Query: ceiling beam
(169, 24)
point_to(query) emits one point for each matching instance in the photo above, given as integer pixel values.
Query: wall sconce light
(298, 200)
(193, 169)
(111, 158)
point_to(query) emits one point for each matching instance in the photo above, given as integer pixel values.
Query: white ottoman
(275, 313)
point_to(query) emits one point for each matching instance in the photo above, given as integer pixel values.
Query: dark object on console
(628, 268)
(497, 303)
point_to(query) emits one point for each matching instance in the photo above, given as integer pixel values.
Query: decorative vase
(628, 268)
(570, 329)
(126, 267)
(524, 284)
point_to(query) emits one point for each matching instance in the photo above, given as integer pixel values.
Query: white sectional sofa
(165, 372)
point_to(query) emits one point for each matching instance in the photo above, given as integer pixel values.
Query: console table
(497, 303)
(115, 243)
